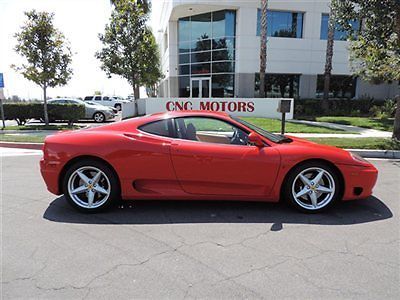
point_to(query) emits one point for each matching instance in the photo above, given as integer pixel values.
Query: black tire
(118, 107)
(99, 117)
(293, 184)
(112, 185)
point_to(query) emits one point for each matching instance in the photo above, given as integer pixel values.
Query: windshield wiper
(284, 139)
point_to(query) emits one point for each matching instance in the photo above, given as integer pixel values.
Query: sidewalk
(358, 131)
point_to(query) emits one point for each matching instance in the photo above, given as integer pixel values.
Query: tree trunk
(136, 91)
(329, 56)
(46, 115)
(396, 127)
(263, 46)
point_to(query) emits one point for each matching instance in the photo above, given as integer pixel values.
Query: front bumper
(50, 173)
(359, 181)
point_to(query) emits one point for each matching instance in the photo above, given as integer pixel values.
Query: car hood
(309, 150)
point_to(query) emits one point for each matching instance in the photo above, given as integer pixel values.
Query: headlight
(358, 158)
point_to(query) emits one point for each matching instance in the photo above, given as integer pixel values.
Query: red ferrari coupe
(199, 156)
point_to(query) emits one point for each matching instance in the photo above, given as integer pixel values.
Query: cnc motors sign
(255, 107)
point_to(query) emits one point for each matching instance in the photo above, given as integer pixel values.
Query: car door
(98, 99)
(213, 167)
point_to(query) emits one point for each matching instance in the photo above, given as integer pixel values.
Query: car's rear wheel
(99, 117)
(91, 186)
(312, 187)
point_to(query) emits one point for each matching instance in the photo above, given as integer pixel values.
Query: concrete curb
(389, 154)
(32, 146)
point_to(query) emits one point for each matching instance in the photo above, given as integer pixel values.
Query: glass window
(157, 128)
(184, 69)
(97, 98)
(223, 23)
(88, 98)
(282, 24)
(106, 98)
(184, 86)
(280, 85)
(184, 59)
(207, 45)
(209, 130)
(201, 57)
(224, 54)
(184, 29)
(223, 67)
(341, 86)
(340, 35)
(185, 47)
(223, 86)
(201, 27)
(200, 68)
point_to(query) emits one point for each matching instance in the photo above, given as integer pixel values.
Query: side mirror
(255, 139)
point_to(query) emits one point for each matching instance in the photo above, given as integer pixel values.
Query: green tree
(375, 50)
(263, 46)
(144, 4)
(129, 47)
(46, 52)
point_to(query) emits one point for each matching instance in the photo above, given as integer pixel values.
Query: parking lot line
(7, 152)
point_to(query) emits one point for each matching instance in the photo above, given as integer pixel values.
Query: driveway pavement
(177, 250)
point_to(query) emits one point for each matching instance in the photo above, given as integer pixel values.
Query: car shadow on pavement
(177, 212)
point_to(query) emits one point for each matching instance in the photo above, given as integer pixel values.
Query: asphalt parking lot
(176, 250)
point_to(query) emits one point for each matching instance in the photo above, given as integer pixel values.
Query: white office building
(211, 49)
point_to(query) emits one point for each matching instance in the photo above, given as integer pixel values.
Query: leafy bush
(22, 112)
(387, 110)
(311, 108)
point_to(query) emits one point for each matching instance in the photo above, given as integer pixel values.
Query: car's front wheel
(312, 187)
(91, 186)
(99, 117)
(118, 107)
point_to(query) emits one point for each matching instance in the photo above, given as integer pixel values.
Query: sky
(81, 21)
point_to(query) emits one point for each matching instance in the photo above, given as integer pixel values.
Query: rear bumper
(359, 181)
(50, 173)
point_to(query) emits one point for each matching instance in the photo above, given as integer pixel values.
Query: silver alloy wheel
(98, 117)
(313, 188)
(89, 187)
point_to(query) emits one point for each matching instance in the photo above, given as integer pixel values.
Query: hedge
(21, 112)
(343, 107)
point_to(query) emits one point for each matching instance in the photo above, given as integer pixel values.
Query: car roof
(188, 113)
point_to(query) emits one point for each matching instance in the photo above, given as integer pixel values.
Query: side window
(158, 128)
(88, 98)
(210, 130)
(97, 98)
(106, 98)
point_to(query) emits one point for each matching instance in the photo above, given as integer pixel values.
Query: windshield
(276, 138)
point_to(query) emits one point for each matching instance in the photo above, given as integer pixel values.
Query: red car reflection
(199, 156)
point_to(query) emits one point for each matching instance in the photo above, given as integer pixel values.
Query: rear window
(158, 128)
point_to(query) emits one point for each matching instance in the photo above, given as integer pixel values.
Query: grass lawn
(274, 125)
(379, 124)
(42, 127)
(21, 138)
(359, 143)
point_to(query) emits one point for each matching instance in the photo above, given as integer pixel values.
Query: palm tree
(263, 46)
(329, 56)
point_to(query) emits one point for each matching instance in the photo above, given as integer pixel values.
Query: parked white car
(99, 113)
(110, 101)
